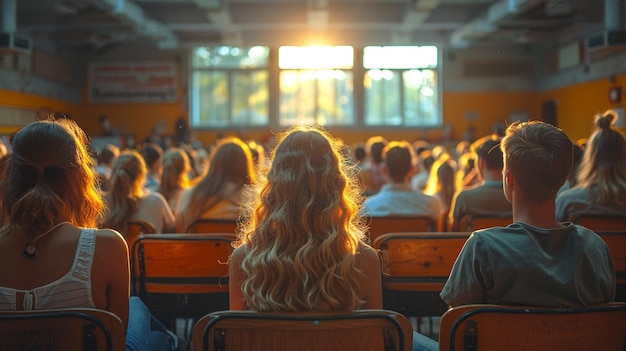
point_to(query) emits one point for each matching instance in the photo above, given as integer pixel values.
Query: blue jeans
(424, 343)
(145, 332)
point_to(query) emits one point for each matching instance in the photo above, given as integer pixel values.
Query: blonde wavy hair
(303, 228)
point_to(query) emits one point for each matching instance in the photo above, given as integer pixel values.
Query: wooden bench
(358, 330)
(396, 224)
(415, 269)
(204, 225)
(616, 241)
(183, 275)
(62, 329)
(475, 222)
(493, 327)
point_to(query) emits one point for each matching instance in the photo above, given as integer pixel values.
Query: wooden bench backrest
(476, 222)
(359, 330)
(491, 327)
(602, 223)
(189, 263)
(212, 226)
(68, 329)
(616, 241)
(418, 261)
(396, 224)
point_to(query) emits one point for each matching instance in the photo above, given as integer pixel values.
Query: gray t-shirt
(526, 265)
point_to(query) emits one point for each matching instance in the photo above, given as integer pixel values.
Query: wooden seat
(397, 224)
(204, 225)
(597, 222)
(135, 228)
(475, 222)
(415, 269)
(68, 329)
(183, 275)
(249, 331)
(492, 327)
(616, 241)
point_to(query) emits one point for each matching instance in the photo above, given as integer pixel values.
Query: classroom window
(316, 85)
(230, 87)
(401, 86)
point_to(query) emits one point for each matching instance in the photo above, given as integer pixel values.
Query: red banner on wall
(133, 82)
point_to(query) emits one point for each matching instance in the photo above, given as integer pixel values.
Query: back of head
(108, 154)
(127, 178)
(49, 178)
(375, 146)
(486, 148)
(442, 180)
(399, 157)
(151, 153)
(359, 153)
(604, 161)
(540, 157)
(175, 166)
(304, 228)
(231, 163)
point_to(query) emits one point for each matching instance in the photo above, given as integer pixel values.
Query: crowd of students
(302, 233)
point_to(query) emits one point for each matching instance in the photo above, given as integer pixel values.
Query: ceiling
(96, 25)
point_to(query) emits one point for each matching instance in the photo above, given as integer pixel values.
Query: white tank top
(71, 290)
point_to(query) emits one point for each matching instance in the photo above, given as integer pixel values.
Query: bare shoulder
(367, 254)
(111, 239)
(238, 254)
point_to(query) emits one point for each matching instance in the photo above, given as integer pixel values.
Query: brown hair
(49, 178)
(603, 165)
(540, 157)
(127, 178)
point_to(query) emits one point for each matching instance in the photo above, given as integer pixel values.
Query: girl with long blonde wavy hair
(301, 247)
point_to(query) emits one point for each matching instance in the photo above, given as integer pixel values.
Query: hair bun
(605, 120)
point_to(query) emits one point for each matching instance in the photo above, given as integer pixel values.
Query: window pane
(421, 98)
(250, 98)
(210, 99)
(323, 97)
(382, 96)
(316, 57)
(335, 98)
(230, 57)
(400, 57)
(297, 97)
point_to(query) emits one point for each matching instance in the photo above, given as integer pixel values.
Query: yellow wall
(135, 119)
(32, 102)
(490, 107)
(577, 104)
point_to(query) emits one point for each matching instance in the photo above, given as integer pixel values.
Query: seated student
(174, 178)
(220, 193)
(128, 200)
(536, 261)
(371, 170)
(601, 185)
(486, 198)
(152, 155)
(51, 254)
(398, 197)
(306, 236)
(105, 164)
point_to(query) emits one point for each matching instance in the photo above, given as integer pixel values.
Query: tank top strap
(85, 253)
